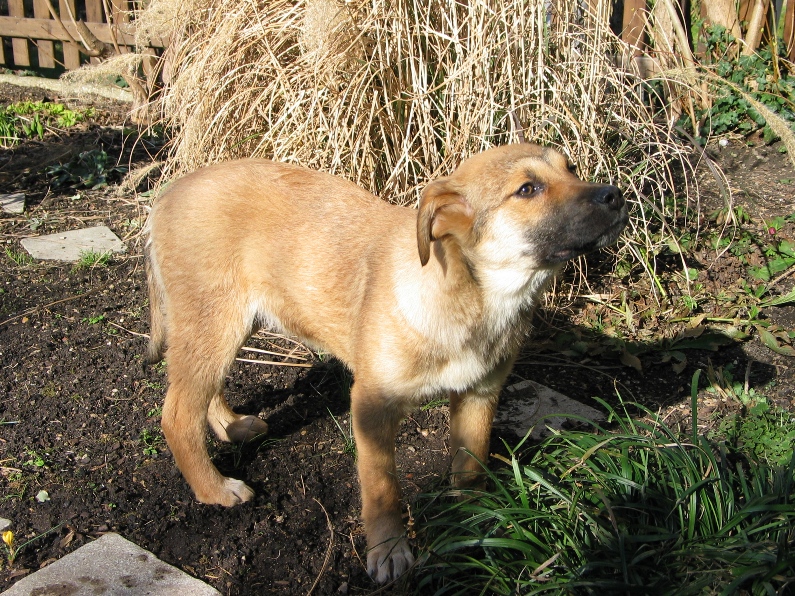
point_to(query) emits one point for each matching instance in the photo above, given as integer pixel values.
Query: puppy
(416, 303)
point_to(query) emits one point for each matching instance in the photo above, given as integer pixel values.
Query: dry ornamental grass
(391, 94)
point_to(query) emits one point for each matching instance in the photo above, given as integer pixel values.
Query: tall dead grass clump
(392, 93)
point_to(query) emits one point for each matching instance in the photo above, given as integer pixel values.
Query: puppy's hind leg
(199, 355)
(232, 427)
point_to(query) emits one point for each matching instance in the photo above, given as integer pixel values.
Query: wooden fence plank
(94, 14)
(120, 10)
(634, 22)
(71, 54)
(48, 29)
(789, 28)
(16, 8)
(45, 49)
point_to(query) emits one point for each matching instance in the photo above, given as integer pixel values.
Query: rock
(111, 566)
(68, 246)
(524, 405)
(13, 203)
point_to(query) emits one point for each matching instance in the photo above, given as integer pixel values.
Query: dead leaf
(771, 342)
(694, 331)
(678, 367)
(66, 540)
(628, 359)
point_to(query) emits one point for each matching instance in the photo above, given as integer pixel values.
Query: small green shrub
(632, 509)
(90, 169)
(764, 75)
(28, 119)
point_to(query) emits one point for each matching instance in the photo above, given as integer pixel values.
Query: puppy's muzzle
(594, 218)
(609, 197)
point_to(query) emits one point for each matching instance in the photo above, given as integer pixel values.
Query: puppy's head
(519, 208)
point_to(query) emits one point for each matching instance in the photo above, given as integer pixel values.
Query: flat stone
(13, 203)
(68, 246)
(4, 523)
(529, 405)
(111, 566)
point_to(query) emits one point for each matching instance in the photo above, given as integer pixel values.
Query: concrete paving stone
(110, 566)
(13, 203)
(67, 246)
(523, 405)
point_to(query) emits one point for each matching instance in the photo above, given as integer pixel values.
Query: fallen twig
(328, 548)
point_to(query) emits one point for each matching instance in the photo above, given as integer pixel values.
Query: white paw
(235, 492)
(389, 560)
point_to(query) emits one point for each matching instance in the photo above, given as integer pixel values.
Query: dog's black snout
(609, 196)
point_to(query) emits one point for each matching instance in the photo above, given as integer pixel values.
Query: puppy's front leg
(375, 424)
(471, 416)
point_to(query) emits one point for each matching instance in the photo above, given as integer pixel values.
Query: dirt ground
(79, 410)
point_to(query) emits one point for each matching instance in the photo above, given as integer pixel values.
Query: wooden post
(45, 49)
(789, 29)
(71, 55)
(94, 14)
(634, 23)
(16, 8)
(725, 13)
(119, 15)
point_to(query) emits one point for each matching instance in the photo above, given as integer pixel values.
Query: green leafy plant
(90, 169)
(19, 258)
(35, 459)
(630, 508)
(761, 429)
(93, 258)
(151, 441)
(348, 441)
(28, 119)
(763, 75)
(93, 320)
(157, 411)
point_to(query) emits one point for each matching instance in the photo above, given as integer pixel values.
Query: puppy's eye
(572, 167)
(528, 189)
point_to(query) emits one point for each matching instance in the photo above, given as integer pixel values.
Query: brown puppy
(417, 303)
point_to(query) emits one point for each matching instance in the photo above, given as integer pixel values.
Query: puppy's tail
(157, 327)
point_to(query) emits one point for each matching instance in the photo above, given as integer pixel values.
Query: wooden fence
(31, 38)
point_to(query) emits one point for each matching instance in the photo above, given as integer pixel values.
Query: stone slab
(524, 405)
(67, 246)
(13, 203)
(110, 566)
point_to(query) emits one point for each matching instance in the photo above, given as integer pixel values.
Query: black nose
(609, 196)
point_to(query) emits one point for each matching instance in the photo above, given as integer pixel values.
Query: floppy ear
(443, 211)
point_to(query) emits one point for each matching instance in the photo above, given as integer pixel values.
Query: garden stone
(4, 523)
(13, 203)
(111, 566)
(68, 246)
(524, 405)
